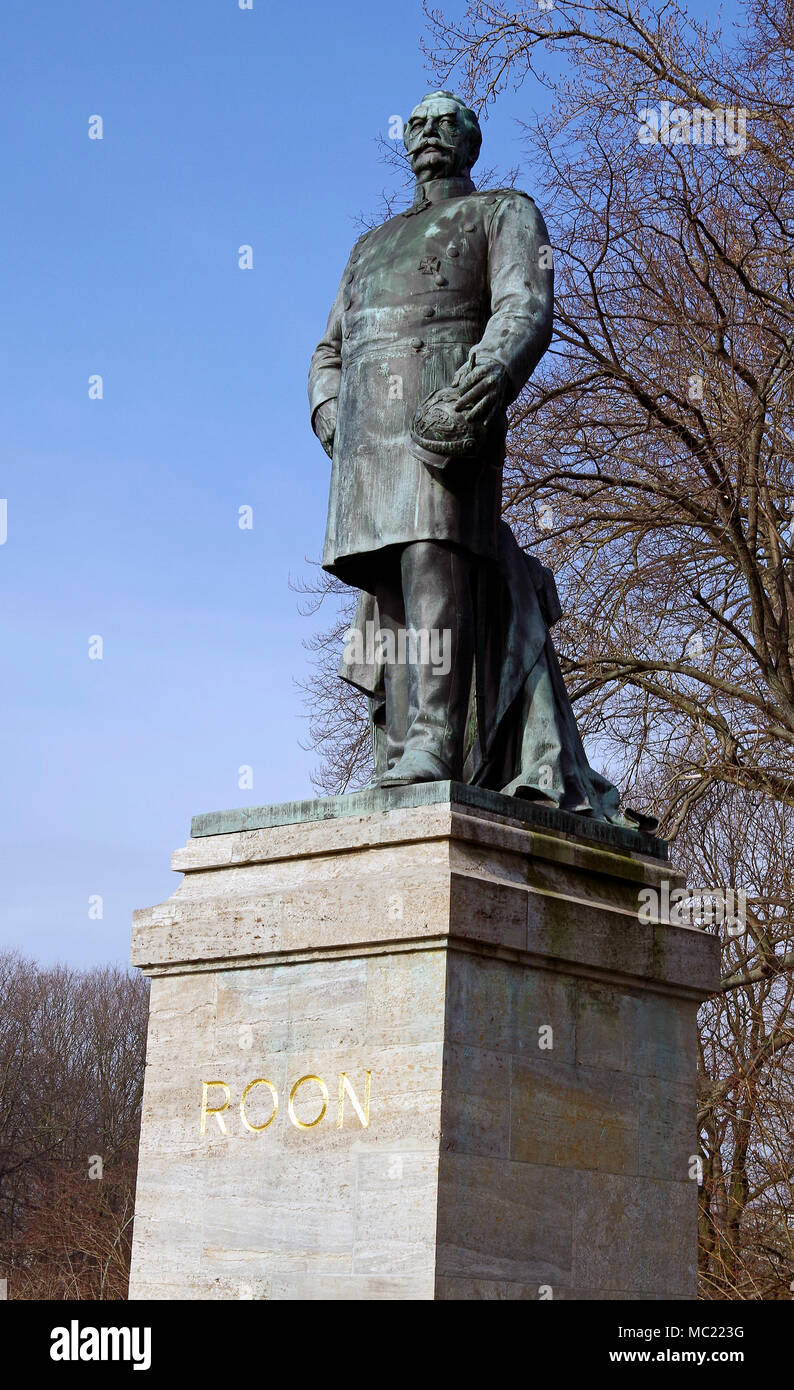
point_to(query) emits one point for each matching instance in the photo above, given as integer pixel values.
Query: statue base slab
(418, 1049)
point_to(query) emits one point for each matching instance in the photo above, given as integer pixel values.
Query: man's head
(442, 137)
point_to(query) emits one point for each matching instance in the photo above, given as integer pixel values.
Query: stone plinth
(417, 1045)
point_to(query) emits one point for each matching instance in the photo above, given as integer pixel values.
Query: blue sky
(221, 127)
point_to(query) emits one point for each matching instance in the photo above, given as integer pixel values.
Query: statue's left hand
(482, 389)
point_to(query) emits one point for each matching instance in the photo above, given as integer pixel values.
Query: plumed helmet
(442, 435)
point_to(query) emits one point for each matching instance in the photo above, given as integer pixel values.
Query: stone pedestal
(417, 1045)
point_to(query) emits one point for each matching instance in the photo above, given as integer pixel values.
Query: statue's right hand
(325, 425)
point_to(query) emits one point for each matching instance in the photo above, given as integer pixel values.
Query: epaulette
(494, 193)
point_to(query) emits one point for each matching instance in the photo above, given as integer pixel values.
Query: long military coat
(460, 272)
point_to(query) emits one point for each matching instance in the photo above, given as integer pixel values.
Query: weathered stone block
(417, 1047)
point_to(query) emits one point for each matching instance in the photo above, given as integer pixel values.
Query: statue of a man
(442, 313)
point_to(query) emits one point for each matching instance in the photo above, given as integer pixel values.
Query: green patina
(616, 838)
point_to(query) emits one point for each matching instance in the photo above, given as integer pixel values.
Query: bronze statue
(442, 314)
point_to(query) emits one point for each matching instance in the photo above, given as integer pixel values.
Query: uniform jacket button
(429, 314)
(453, 251)
(348, 302)
(417, 344)
(469, 227)
(439, 279)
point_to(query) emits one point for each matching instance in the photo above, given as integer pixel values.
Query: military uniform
(459, 273)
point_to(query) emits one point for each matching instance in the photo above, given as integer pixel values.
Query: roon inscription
(322, 1096)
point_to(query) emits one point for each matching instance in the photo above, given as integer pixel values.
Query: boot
(393, 714)
(437, 596)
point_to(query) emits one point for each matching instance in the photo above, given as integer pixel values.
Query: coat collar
(438, 190)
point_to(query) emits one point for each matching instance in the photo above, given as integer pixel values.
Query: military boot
(439, 652)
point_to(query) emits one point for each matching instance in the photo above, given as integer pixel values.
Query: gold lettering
(260, 1081)
(299, 1124)
(344, 1085)
(217, 1111)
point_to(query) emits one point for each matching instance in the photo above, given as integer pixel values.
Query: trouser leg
(439, 655)
(391, 619)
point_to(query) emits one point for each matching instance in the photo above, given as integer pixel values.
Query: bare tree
(72, 1052)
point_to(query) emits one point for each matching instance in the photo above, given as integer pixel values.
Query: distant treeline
(72, 1054)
